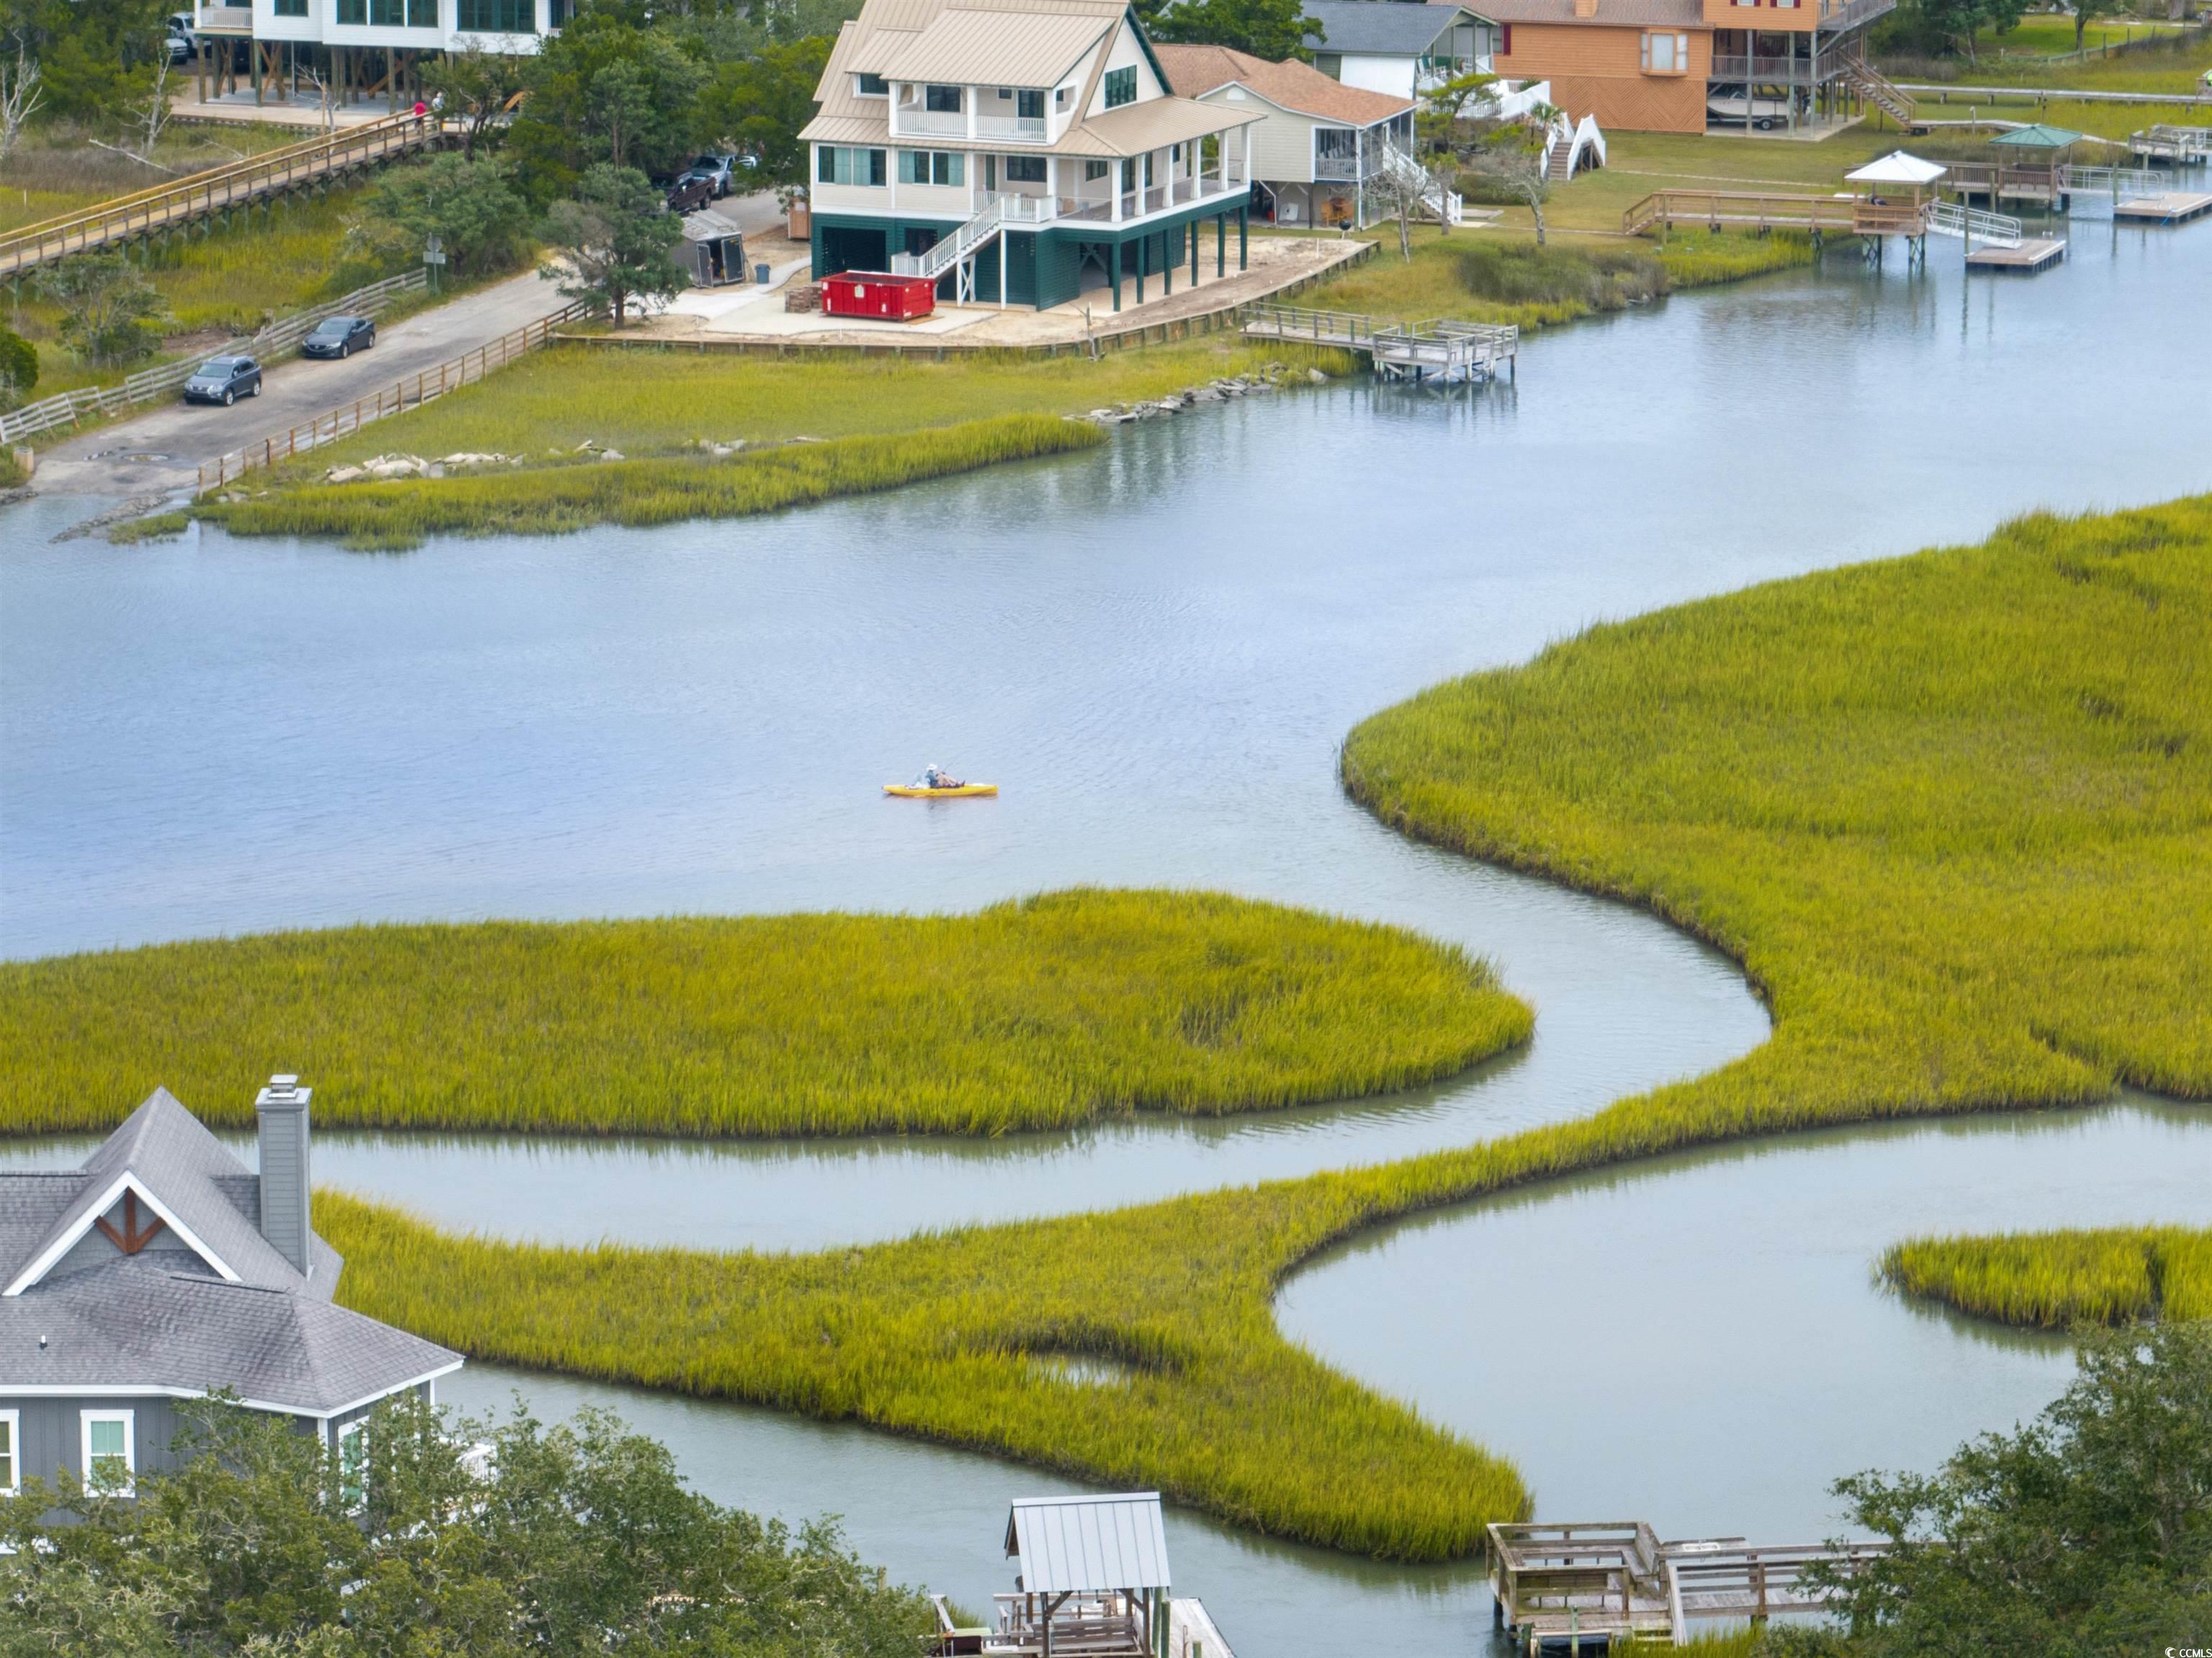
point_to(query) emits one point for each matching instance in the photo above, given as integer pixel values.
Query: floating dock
(2173, 207)
(2033, 254)
(1581, 1587)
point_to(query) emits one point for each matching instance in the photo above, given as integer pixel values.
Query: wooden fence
(69, 408)
(350, 417)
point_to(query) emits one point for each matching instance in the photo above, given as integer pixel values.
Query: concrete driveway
(161, 449)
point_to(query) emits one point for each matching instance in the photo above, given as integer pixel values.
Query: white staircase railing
(1446, 204)
(1991, 229)
(956, 250)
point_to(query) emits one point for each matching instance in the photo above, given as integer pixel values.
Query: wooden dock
(2172, 207)
(2180, 146)
(1442, 351)
(1582, 1585)
(2035, 253)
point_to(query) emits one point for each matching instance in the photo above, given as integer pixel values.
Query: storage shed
(1094, 1574)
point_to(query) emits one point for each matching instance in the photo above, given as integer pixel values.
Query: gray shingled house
(163, 1269)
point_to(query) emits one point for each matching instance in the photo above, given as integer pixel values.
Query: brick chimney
(1585, 8)
(281, 1111)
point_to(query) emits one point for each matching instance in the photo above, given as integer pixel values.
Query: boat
(927, 791)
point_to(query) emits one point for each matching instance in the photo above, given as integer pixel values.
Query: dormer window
(1060, 97)
(870, 86)
(1120, 86)
(941, 100)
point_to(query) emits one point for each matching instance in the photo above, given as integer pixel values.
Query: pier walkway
(1583, 1585)
(218, 191)
(1442, 350)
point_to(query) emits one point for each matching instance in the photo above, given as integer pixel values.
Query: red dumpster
(878, 294)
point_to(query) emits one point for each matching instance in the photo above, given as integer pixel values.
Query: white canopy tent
(1899, 167)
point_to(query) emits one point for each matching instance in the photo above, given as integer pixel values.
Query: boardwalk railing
(68, 408)
(168, 206)
(1732, 1580)
(1767, 211)
(1440, 348)
(350, 417)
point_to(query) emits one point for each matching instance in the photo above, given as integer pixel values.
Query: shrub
(110, 315)
(19, 367)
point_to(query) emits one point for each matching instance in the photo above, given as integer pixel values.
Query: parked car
(339, 337)
(182, 41)
(690, 193)
(224, 379)
(180, 49)
(719, 171)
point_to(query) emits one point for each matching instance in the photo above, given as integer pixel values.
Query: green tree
(606, 88)
(758, 105)
(472, 207)
(19, 366)
(616, 241)
(2086, 1533)
(478, 86)
(2086, 12)
(580, 1539)
(1443, 109)
(96, 58)
(1274, 29)
(110, 315)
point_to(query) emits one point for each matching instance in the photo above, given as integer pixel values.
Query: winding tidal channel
(1155, 650)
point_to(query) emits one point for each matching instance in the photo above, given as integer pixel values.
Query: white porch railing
(1991, 229)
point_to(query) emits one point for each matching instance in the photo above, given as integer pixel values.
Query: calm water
(1156, 651)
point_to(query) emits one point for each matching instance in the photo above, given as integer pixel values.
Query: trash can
(763, 275)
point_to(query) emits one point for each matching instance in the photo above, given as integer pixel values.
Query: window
(1094, 171)
(1128, 176)
(838, 164)
(870, 86)
(11, 1456)
(109, 1458)
(1666, 53)
(941, 100)
(291, 8)
(353, 1464)
(1505, 39)
(1025, 169)
(1060, 97)
(423, 14)
(492, 16)
(1330, 63)
(1029, 105)
(932, 166)
(1120, 86)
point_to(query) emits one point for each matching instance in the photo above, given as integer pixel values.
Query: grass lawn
(2058, 1279)
(2039, 53)
(1049, 1012)
(1952, 812)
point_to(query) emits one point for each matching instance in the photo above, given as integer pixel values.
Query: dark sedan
(339, 337)
(224, 379)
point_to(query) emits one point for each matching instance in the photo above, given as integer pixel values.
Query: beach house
(163, 1269)
(1019, 152)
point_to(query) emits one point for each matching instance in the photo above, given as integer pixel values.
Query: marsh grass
(1494, 278)
(1049, 1012)
(2058, 1279)
(547, 500)
(1950, 810)
(663, 402)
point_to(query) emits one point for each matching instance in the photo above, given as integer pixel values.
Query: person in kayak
(937, 776)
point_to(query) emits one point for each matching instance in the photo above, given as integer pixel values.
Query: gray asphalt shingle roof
(165, 1319)
(1389, 28)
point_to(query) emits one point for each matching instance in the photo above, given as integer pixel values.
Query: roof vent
(282, 1112)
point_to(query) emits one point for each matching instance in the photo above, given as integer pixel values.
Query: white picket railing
(274, 339)
(1446, 204)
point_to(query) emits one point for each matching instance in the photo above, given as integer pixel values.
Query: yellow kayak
(918, 791)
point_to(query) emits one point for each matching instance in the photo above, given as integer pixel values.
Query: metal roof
(1089, 1545)
(2038, 137)
(1898, 167)
(987, 48)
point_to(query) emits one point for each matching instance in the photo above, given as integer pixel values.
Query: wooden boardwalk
(1443, 349)
(1583, 1585)
(173, 207)
(2172, 207)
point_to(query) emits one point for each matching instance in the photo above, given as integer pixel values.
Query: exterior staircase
(1884, 95)
(957, 252)
(1446, 206)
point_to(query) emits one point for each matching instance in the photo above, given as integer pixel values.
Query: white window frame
(129, 1420)
(1680, 52)
(12, 1422)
